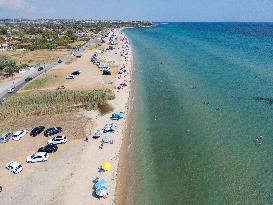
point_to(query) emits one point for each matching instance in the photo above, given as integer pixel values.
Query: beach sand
(67, 177)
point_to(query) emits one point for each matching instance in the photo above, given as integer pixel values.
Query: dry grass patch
(50, 79)
(72, 60)
(35, 57)
(77, 44)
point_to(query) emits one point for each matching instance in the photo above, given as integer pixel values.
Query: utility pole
(12, 80)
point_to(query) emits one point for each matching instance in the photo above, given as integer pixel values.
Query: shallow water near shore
(203, 96)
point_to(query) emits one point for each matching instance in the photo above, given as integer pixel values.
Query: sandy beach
(67, 177)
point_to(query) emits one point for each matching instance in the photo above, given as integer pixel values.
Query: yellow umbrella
(106, 166)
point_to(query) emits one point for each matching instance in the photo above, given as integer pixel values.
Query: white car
(19, 134)
(70, 77)
(58, 140)
(14, 167)
(11, 90)
(38, 157)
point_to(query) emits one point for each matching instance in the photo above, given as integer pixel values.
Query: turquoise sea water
(204, 93)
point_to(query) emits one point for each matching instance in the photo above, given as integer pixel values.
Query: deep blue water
(204, 93)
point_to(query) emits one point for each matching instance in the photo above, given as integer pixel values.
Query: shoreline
(123, 102)
(120, 197)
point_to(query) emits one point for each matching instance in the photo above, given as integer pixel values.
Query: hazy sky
(154, 10)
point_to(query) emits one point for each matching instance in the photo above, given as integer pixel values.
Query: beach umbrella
(106, 139)
(101, 183)
(101, 191)
(106, 166)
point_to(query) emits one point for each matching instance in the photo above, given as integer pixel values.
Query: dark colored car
(36, 131)
(78, 72)
(52, 131)
(50, 148)
(106, 72)
(41, 68)
(28, 79)
(60, 61)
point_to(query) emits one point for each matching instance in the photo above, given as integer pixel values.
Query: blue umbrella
(101, 183)
(106, 139)
(101, 191)
(121, 114)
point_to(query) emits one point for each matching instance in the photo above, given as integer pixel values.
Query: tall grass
(53, 102)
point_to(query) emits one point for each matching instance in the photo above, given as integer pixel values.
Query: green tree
(3, 31)
(10, 70)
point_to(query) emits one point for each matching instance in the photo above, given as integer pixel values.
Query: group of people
(259, 140)
(122, 82)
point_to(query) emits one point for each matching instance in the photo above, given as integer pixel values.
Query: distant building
(4, 45)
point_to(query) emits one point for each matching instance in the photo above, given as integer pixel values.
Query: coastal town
(47, 38)
(53, 34)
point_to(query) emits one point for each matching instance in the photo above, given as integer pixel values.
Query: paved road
(19, 83)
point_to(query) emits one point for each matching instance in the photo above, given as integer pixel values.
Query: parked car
(77, 72)
(61, 87)
(40, 68)
(103, 66)
(11, 90)
(60, 61)
(106, 72)
(19, 134)
(14, 167)
(36, 131)
(50, 148)
(5, 137)
(70, 77)
(28, 79)
(52, 131)
(58, 140)
(38, 157)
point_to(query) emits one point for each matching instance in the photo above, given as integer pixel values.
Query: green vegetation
(53, 102)
(9, 67)
(55, 34)
(3, 31)
(51, 40)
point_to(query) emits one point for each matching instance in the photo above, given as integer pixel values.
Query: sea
(202, 129)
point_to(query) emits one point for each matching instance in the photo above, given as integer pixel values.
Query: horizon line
(161, 21)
